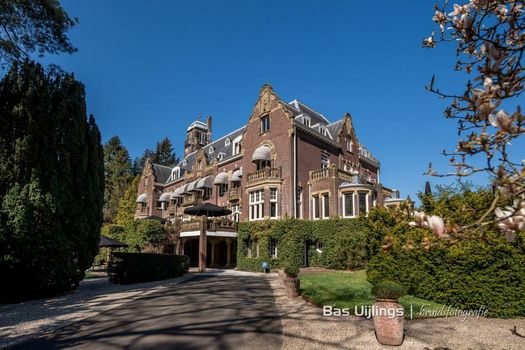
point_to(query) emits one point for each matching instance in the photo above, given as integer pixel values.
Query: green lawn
(350, 289)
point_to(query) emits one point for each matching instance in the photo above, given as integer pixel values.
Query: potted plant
(291, 281)
(387, 313)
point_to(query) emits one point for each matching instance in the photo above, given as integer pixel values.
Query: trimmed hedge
(467, 274)
(129, 268)
(344, 243)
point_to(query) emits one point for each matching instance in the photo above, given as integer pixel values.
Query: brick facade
(300, 155)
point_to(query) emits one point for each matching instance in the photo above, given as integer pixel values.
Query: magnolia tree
(490, 39)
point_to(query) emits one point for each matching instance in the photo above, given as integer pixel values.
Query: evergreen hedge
(129, 268)
(466, 274)
(344, 243)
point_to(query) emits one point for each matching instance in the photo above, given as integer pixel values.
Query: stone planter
(292, 286)
(388, 329)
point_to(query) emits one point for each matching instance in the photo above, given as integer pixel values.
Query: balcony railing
(330, 172)
(235, 193)
(213, 225)
(319, 174)
(264, 174)
(191, 199)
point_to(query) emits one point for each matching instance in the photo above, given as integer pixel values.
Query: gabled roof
(219, 146)
(315, 116)
(161, 172)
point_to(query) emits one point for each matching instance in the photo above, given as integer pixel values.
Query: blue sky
(151, 67)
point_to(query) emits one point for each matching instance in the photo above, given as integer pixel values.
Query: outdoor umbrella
(207, 209)
(106, 242)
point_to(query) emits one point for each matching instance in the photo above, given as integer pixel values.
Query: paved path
(217, 310)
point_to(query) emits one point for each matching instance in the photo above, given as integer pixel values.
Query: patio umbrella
(207, 209)
(106, 242)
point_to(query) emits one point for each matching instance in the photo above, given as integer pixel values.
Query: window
(236, 147)
(325, 161)
(203, 138)
(211, 150)
(273, 248)
(208, 192)
(223, 189)
(257, 205)
(315, 208)
(323, 130)
(265, 124)
(348, 204)
(273, 203)
(227, 141)
(220, 156)
(199, 165)
(175, 173)
(235, 208)
(306, 121)
(158, 205)
(326, 205)
(363, 205)
(349, 144)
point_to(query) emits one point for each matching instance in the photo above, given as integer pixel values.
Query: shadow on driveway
(210, 311)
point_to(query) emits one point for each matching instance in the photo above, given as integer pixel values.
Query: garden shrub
(468, 273)
(388, 290)
(129, 268)
(343, 243)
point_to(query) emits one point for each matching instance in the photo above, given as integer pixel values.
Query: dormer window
(265, 123)
(236, 149)
(220, 157)
(306, 121)
(211, 150)
(184, 162)
(175, 173)
(227, 141)
(323, 130)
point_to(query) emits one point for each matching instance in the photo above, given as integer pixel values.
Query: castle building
(288, 161)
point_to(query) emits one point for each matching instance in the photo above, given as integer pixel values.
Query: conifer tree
(51, 183)
(117, 170)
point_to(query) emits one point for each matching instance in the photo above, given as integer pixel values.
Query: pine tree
(164, 153)
(51, 183)
(118, 172)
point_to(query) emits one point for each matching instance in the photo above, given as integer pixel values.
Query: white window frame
(227, 141)
(366, 201)
(236, 211)
(256, 205)
(307, 121)
(211, 150)
(274, 200)
(325, 161)
(265, 126)
(314, 207)
(344, 199)
(323, 205)
(236, 149)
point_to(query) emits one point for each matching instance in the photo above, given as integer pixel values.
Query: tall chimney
(208, 124)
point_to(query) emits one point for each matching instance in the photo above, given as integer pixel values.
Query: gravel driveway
(22, 321)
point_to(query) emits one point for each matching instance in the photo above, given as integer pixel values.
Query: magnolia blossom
(502, 121)
(420, 219)
(511, 220)
(437, 225)
(434, 222)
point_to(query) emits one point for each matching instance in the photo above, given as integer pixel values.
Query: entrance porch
(220, 252)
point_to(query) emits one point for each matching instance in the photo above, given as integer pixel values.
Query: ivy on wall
(332, 243)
